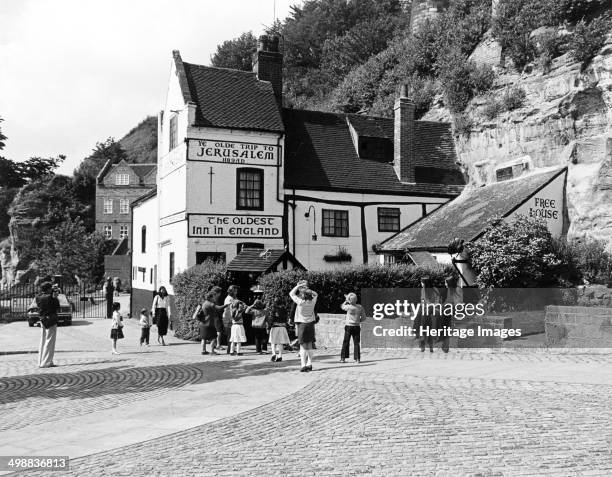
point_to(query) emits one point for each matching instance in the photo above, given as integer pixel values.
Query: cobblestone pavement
(377, 418)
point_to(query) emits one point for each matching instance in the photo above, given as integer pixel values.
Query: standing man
(48, 304)
(109, 293)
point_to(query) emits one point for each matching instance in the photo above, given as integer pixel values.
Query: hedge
(332, 285)
(190, 287)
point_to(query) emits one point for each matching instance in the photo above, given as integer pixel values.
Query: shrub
(463, 124)
(190, 287)
(591, 259)
(513, 98)
(549, 45)
(482, 78)
(519, 254)
(589, 38)
(492, 109)
(332, 285)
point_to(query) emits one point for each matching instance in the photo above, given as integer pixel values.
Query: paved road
(173, 412)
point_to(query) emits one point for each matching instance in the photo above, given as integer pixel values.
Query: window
(122, 179)
(108, 231)
(143, 239)
(151, 277)
(123, 231)
(335, 223)
(242, 245)
(504, 174)
(142, 270)
(108, 206)
(201, 257)
(388, 219)
(249, 189)
(124, 206)
(173, 132)
(171, 265)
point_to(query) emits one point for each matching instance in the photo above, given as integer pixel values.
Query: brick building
(117, 186)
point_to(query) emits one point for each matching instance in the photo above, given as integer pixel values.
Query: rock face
(565, 120)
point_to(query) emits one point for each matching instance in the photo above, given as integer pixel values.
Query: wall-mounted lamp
(314, 221)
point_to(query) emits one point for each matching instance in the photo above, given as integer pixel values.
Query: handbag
(259, 321)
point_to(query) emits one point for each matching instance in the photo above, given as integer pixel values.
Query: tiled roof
(231, 99)
(258, 260)
(143, 170)
(467, 216)
(320, 155)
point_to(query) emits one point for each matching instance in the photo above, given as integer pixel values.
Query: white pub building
(236, 170)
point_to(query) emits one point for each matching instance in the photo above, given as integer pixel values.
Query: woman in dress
(160, 309)
(305, 318)
(232, 294)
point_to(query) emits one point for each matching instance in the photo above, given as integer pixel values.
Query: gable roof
(259, 260)
(227, 98)
(320, 155)
(467, 216)
(141, 170)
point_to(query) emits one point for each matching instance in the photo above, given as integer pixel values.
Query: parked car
(64, 315)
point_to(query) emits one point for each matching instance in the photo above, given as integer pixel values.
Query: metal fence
(86, 301)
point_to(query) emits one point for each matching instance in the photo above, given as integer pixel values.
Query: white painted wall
(548, 204)
(145, 214)
(310, 253)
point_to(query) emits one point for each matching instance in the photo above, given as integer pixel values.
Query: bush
(190, 287)
(482, 78)
(492, 109)
(463, 124)
(332, 285)
(513, 98)
(589, 38)
(520, 254)
(589, 258)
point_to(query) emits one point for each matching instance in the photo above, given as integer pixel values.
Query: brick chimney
(268, 64)
(403, 137)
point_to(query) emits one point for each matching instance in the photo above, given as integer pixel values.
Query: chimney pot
(404, 91)
(268, 64)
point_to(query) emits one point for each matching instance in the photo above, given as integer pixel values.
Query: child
(278, 335)
(145, 326)
(116, 326)
(238, 334)
(259, 325)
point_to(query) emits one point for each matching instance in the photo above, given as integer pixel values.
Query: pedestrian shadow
(128, 379)
(81, 323)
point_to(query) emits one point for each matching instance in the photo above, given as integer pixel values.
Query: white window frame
(124, 232)
(108, 206)
(122, 179)
(124, 206)
(108, 231)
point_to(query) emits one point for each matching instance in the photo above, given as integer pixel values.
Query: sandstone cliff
(565, 120)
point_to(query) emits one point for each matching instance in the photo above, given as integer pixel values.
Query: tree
(2, 136)
(69, 250)
(236, 54)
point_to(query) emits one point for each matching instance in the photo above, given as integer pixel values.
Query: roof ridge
(233, 70)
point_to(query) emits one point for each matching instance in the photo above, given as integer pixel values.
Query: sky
(75, 72)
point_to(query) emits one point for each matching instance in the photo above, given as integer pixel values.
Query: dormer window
(376, 148)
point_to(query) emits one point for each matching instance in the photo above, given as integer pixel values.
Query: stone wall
(578, 327)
